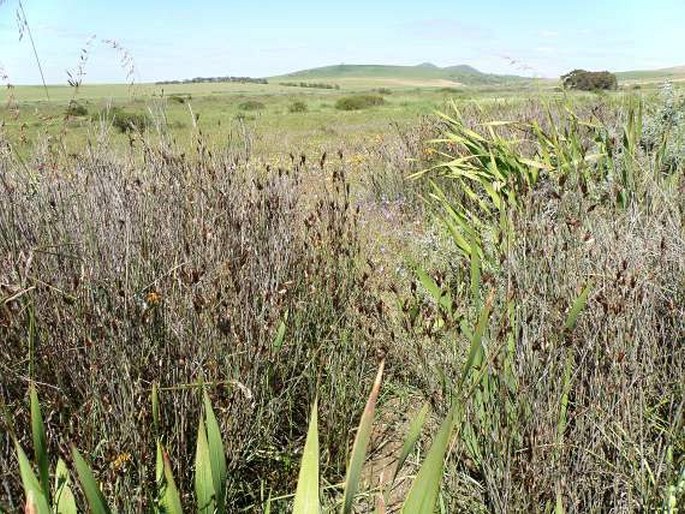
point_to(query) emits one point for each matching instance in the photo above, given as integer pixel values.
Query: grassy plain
(518, 265)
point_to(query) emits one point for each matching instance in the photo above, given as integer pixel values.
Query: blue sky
(260, 38)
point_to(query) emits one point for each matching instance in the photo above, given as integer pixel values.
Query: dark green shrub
(589, 80)
(358, 102)
(76, 109)
(180, 99)
(125, 121)
(298, 107)
(251, 105)
(384, 91)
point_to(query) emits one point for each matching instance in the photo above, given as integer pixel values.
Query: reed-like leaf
(94, 497)
(361, 443)
(35, 497)
(64, 501)
(40, 445)
(577, 307)
(204, 483)
(426, 487)
(307, 492)
(217, 456)
(412, 437)
(169, 498)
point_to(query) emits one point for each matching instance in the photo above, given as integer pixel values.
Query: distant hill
(676, 73)
(425, 74)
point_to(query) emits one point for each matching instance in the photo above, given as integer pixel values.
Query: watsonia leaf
(94, 497)
(361, 443)
(412, 437)
(577, 307)
(40, 445)
(169, 498)
(217, 456)
(64, 500)
(424, 491)
(204, 483)
(35, 497)
(307, 493)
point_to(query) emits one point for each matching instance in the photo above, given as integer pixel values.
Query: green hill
(425, 74)
(676, 73)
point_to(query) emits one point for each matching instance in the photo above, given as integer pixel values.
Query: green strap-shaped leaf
(35, 497)
(40, 445)
(64, 501)
(361, 443)
(577, 307)
(204, 483)
(424, 491)
(307, 492)
(169, 498)
(412, 438)
(217, 456)
(91, 490)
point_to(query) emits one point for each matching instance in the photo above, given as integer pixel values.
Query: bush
(251, 105)
(384, 91)
(180, 99)
(589, 80)
(125, 121)
(76, 109)
(358, 102)
(298, 107)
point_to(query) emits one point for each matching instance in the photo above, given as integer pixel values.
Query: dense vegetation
(589, 80)
(516, 265)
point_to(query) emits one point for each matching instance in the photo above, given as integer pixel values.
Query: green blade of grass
(577, 307)
(35, 497)
(476, 351)
(155, 407)
(169, 498)
(40, 445)
(91, 490)
(204, 483)
(361, 443)
(425, 488)
(64, 500)
(217, 455)
(307, 492)
(412, 437)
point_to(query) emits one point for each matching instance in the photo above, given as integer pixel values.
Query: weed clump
(76, 109)
(298, 107)
(124, 121)
(252, 105)
(359, 102)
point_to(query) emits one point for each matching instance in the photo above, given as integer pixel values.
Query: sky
(176, 40)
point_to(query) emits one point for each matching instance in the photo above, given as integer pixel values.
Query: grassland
(517, 264)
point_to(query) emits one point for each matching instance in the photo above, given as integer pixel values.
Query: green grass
(526, 284)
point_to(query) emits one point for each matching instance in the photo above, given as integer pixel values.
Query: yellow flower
(153, 298)
(120, 461)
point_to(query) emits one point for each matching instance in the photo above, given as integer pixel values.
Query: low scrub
(298, 107)
(251, 105)
(358, 102)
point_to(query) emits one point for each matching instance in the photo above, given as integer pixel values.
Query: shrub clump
(125, 121)
(589, 80)
(298, 107)
(251, 105)
(76, 109)
(180, 99)
(358, 102)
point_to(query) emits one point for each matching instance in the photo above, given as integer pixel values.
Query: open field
(517, 266)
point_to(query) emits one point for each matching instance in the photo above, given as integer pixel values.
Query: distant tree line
(589, 80)
(197, 80)
(313, 85)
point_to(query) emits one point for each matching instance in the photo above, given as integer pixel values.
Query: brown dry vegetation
(121, 269)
